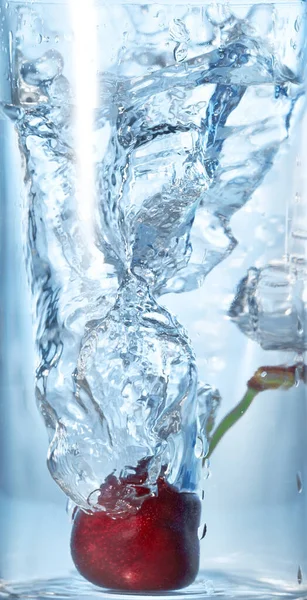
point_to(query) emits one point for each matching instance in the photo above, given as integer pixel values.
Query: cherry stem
(230, 420)
(265, 378)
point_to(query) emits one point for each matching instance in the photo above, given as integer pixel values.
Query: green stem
(231, 419)
(265, 378)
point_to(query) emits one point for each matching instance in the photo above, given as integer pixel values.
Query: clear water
(183, 153)
(117, 379)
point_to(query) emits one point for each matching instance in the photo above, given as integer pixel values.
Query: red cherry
(154, 548)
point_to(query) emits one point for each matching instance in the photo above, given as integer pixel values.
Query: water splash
(116, 375)
(137, 368)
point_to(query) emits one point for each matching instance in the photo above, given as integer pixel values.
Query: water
(116, 375)
(179, 153)
(266, 308)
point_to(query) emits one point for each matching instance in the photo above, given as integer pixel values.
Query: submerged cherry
(154, 548)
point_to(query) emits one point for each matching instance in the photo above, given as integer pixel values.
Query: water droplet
(39, 38)
(297, 24)
(204, 532)
(281, 90)
(199, 448)
(57, 39)
(299, 575)
(203, 494)
(299, 482)
(297, 376)
(300, 326)
(206, 469)
(180, 52)
(298, 197)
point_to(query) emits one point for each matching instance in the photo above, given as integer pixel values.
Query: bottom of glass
(208, 586)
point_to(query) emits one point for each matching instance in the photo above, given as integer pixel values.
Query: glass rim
(187, 3)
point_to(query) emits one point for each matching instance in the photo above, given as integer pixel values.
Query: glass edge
(159, 2)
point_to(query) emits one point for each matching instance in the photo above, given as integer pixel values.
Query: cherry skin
(154, 548)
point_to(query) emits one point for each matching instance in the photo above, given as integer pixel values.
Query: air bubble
(204, 533)
(93, 499)
(297, 376)
(29, 98)
(299, 483)
(299, 576)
